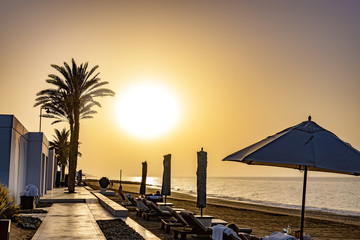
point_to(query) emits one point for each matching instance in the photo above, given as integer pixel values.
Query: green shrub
(8, 207)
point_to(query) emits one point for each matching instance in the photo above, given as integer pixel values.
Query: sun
(147, 110)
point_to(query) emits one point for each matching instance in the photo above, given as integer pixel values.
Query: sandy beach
(264, 220)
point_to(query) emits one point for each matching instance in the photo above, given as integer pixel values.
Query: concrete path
(69, 221)
(73, 216)
(61, 195)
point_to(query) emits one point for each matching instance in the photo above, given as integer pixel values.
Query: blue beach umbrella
(307, 147)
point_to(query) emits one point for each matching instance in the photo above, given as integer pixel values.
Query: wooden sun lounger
(242, 232)
(193, 226)
(141, 207)
(131, 202)
(175, 221)
(155, 212)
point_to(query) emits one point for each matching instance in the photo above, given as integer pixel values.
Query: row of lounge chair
(182, 222)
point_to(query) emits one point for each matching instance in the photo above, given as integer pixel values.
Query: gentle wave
(272, 204)
(336, 194)
(325, 194)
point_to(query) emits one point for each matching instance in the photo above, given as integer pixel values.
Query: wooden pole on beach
(120, 187)
(120, 176)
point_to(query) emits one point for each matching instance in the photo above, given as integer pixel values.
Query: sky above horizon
(240, 70)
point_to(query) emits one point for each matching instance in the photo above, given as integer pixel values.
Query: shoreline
(133, 187)
(264, 220)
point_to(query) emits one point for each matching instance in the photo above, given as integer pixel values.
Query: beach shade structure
(143, 178)
(166, 181)
(201, 180)
(307, 147)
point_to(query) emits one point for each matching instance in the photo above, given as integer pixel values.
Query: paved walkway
(61, 195)
(73, 216)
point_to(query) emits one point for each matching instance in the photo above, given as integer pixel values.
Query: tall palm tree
(72, 100)
(61, 145)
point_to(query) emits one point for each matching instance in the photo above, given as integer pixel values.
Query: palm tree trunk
(62, 177)
(74, 144)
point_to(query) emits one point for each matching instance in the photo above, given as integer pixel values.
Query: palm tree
(71, 101)
(61, 145)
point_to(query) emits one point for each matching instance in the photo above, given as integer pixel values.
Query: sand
(263, 220)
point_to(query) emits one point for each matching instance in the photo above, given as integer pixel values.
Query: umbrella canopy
(143, 178)
(306, 146)
(165, 188)
(201, 179)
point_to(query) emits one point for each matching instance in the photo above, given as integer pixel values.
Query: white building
(24, 158)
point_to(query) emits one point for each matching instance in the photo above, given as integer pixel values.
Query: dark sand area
(18, 233)
(264, 220)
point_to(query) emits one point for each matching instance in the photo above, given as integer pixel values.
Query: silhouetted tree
(71, 101)
(61, 145)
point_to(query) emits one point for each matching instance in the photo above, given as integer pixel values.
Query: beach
(264, 220)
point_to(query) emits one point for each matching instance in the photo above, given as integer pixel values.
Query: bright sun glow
(147, 110)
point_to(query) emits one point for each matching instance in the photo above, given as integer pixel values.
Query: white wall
(18, 158)
(50, 170)
(5, 147)
(24, 157)
(36, 163)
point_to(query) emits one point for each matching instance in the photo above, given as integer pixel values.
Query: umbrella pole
(303, 205)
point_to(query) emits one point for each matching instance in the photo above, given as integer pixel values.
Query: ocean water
(339, 195)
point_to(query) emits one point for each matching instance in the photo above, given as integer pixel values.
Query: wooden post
(5, 229)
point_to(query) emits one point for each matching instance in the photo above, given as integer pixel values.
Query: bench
(114, 208)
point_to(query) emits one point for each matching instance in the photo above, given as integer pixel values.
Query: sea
(339, 195)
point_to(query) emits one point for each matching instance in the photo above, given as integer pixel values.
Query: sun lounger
(155, 199)
(220, 231)
(225, 233)
(141, 207)
(130, 201)
(193, 227)
(236, 233)
(175, 221)
(155, 212)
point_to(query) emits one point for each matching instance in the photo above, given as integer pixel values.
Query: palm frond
(73, 96)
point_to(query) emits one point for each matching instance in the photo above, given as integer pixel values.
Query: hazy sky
(241, 70)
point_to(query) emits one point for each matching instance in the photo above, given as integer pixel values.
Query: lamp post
(47, 111)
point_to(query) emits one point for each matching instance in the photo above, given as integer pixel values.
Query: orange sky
(242, 70)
